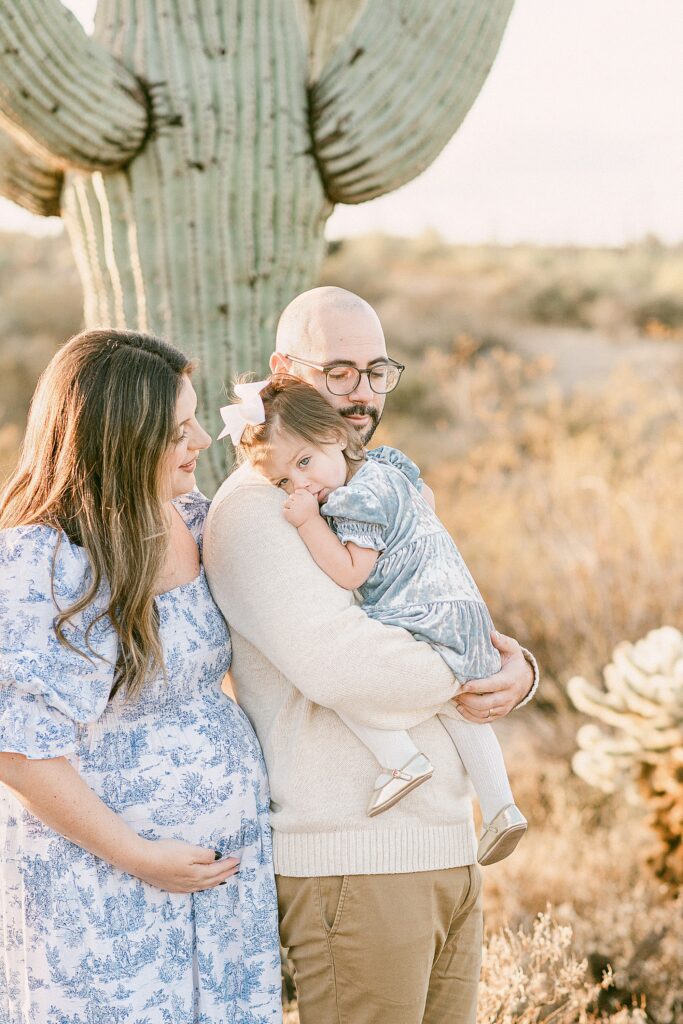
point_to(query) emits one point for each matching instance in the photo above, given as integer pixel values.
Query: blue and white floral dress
(420, 580)
(85, 943)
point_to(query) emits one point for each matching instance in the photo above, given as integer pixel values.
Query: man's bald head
(314, 322)
(331, 325)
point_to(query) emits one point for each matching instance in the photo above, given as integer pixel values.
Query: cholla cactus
(195, 149)
(642, 749)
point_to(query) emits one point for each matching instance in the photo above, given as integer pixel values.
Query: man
(381, 916)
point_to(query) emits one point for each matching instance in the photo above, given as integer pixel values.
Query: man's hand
(483, 700)
(300, 507)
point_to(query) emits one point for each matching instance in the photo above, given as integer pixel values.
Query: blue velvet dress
(420, 581)
(86, 943)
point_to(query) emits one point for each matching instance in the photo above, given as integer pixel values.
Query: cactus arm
(325, 24)
(63, 97)
(28, 181)
(605, 761)
(615, 712)
(625, 684)
(397, 88)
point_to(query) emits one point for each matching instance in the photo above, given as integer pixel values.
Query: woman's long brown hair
(101, 421)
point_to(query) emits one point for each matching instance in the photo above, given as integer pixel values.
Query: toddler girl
(370, 525)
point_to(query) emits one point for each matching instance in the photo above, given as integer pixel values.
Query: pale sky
(575, 138)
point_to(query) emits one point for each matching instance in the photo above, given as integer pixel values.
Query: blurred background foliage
(543, 399)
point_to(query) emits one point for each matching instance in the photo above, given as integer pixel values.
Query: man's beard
(361, 409)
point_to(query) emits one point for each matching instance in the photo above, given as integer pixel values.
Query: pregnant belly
(195, 783)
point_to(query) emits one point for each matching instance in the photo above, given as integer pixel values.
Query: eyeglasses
(341, 379)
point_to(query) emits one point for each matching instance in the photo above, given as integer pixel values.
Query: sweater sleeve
(271, 591)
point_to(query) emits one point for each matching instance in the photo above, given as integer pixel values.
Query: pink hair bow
(248, 410)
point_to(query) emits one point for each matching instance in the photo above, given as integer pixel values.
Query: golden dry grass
(423, 286)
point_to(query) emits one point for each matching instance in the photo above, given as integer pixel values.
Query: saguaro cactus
(195, 148)
(642, 749)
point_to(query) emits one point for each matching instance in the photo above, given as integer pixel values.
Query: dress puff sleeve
(47, 691)
(357, 515)
(193, 507)
(395, 458)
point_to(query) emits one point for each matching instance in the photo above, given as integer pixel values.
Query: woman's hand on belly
(53, 791)
(180, 867)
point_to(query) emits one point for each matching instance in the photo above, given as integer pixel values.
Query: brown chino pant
(384, 949)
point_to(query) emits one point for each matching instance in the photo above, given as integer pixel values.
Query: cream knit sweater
(302, 650)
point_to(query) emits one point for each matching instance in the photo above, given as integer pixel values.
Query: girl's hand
(300, 507)
(180, 867)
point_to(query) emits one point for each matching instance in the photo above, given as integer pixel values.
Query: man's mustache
(360, 409)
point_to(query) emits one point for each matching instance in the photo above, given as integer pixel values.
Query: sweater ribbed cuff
(374, 851)
(534, 686)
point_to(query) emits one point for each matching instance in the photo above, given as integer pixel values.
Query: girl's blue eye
(306, 459)
(281, 483)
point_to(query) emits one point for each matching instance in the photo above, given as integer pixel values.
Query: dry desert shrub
(583, 853)
(533, 975)
(39, 309)
(422, 286)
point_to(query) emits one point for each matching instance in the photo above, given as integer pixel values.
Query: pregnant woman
(136, 882)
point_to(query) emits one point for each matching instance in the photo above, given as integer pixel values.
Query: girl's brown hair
(294, 406)
(101, 421)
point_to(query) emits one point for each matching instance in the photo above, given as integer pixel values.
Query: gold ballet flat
(393, 784)
(500, 837)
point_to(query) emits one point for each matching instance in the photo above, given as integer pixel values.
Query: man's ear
(278, 363)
